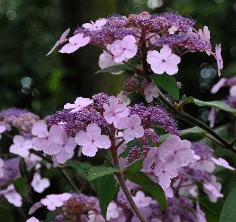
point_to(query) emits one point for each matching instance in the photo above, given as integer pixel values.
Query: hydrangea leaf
(216, 104)
(168, 84)
(228, 212)
(106, 189)
(21, 185)
(100, 171)
(148, 185)
(82, 168)
(115, 69)
(135, 166)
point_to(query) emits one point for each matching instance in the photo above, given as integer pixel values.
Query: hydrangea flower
(205, 35)
(218, 85)
(53, 201)
(212, 189)
(61, 40)
(33, 219)
(222, 162)
(1, 167)
(163, 61)
(141, 200)
(232, 91)
(21, 146)
(94, 26)
(75, 42)
(39, 184)
(113, 211)
(132, 126)
(3, 129)
(150, 92)
(115, 110)
(55, 142)
(124, 49)
(92, 140)
(105, 59)
(173, 29)
(79, 104)
(219, 59)
(12, 196)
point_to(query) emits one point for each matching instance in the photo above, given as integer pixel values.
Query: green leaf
(6, 212)
(135, 166)
(106, 189)
(22, 186)
(167, 83)
(100, 171)
(228, 212)
(82, 168)
(194, 132)
(148, 185)
(216, 104)
(115, 69)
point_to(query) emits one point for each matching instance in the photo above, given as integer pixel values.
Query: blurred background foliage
(43, 84)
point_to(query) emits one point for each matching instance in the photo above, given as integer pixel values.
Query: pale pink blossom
(52, 201)
(39, 184)
(97, 25)
(218, 86)
(173, 29)
(60, 146)
(61, 40)
(92, 140)
(124, 49)
(141, 200)
(115, 110)
(95, 217)
(123, 97)
(132, 126)
(113, 211)
(12, 196)
(163, 61)
(1, 167)
(219, 59)
(75, 42)
(21, 146)
(222, 162)
(212, 117)
(150, 92)
(105, 60)
(205, 35)
(201, 217)
(212, 189)
(40, 129)
(33, 219)
(232, 91)
(79, 104)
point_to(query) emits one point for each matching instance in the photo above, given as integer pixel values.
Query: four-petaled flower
(106, 59)
(97, 25)
(113, 211)
(222, 162)
(132, 126)
(124, 49)
(115, 110)
(53, 201)
(75, 42)
(163, 61)
(205, 35)
(92, 140)
(33, 219)
(141, 200)
(150, 92)
(39, 184)
(21, 146)
(79, 104)
(12, 196)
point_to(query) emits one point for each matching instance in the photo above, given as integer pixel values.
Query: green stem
(69, 180)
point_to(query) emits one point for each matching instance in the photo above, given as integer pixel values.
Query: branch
(121, 180)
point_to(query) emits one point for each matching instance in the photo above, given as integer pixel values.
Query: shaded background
(43, 84)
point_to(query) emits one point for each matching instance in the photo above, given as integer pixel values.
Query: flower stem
(121, 180)
(69, 180)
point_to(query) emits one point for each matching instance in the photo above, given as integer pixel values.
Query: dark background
(28, 29)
